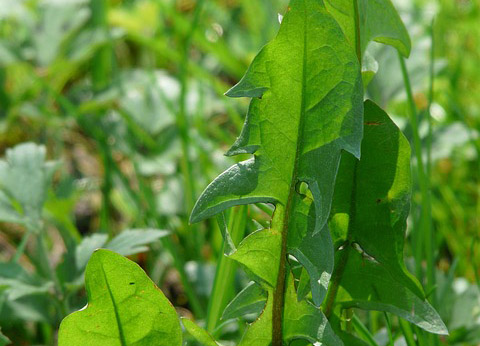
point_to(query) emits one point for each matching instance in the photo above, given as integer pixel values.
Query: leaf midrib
(121, 335)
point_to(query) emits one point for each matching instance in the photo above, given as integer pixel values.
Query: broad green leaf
(306, 108)
(198, 333)
(378, 21)
(258, 252)
(25, 177)
(371, 205)
(250, 300)
(124, 308)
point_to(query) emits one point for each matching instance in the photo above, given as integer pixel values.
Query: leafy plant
(337, 233)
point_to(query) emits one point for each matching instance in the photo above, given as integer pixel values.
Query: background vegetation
(126, 100)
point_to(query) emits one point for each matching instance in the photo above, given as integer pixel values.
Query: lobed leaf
(378, 21)
(370, 208)
(306, 108)
(124, 308)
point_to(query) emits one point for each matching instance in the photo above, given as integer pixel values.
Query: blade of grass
(425, 229)
(407, 332)
(224, 281)
(184, 129)
(363, 331)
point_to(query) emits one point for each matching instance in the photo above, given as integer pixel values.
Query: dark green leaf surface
(371, 205)
(124, 308)
(378, 21)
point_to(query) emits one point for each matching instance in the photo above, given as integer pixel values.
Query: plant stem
(226, 268)
(425, 219)
(21, 246)
(407, 332)
(363, 331)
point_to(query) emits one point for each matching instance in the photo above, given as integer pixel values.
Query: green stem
(363, 331)
(21, 246)
(226, 269)
(425, 220)
(407, 332)
(430, 101)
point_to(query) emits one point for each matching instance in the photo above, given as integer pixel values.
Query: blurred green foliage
(127, 98)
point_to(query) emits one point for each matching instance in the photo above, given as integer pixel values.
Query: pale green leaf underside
(124, 308)
(25, 177)
(306, 108)
(371, 204)
(379, 21)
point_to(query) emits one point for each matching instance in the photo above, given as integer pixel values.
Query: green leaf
(17, 283)
(313, 251)
(124, 308)
(127, 243)
(371, 205)
(133, 241)
(25, 177)
(198, 333)
(258, 252)
(305, 321)
(250, 300)
(378, 21)
(307, 107)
